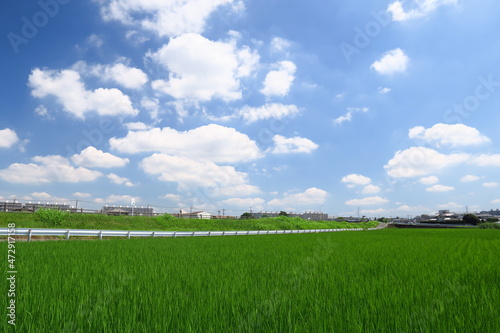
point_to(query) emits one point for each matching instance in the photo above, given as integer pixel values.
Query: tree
(471, 219)
(283, 213)
(246, 216)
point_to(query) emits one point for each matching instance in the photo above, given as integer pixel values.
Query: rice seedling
(380, 281)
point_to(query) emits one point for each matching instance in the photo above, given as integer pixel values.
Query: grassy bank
(381, 281)
(167, 223)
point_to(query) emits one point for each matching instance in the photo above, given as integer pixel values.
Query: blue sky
(389, 106)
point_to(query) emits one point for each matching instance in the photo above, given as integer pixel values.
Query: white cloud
(423, 8)
(384, 90)
(8, 138)
(190, 173)
(296, 144)
(267, 111)
(440, 188)
(45, 197)
(421, 161)
(450, 205)
(356, 179)
(279, 44)
(394, 61)
(91, 157)
(496, 201)
(165, 18)
(153, 106)
(429, 180)
(66, 86)
(348, 115)
(42, 111)
(115, 179)
(202, 69)
(122, 74)
(311, 196)
(371, 189)
(255, 203)
(210, 143)
(469, 178)
(137, 126)
(279, 81)
(491, 184)
(171, 197)
(47, 169)
(367, 201)
(81, 195)
(117, 199)
(486, 160)
(448, 135)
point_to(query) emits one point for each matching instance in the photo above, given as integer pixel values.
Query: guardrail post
(153, 235)
(223, 233)
(248, 232)
(100, 235)
(29, 235)
(192, 234)
(128, 235)
(67, 234)
(174, 234)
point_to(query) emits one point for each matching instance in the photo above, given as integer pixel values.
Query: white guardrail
(128, 234)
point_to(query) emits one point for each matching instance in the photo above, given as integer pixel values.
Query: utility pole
(223, 211)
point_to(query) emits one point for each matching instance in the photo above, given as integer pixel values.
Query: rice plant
(376, 281)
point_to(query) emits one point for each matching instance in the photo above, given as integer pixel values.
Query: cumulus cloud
(122, 74)
(8, 138)
(279, 81)
(296, 144)
(456, 135)
(279, 44)
(367, 201)
(165, 18)
(348, 115)
(115, 179)
(188, 173)
(91, 157)
(469, 178)
(81, 195)
(440, 188)
(201, 69)
(422, 8)
(370, 189)
(421, 161)
(311, 196)
(267, 111)
(47, 169)
(209, 143)
(491, 184)
(171, 197)
(394, 61)
(69, 90)
(137, 126)
(429, 180)
(486, 160)
(355, 179)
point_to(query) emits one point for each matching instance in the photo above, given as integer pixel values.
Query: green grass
(374, 281)
(165, 223)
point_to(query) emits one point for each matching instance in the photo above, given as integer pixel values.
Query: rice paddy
(372, 281)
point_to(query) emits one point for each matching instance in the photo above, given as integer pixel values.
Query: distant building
(194, 215)
(128, 210)
(16, 206)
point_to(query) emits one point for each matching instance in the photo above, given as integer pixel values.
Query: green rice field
(392, 280)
